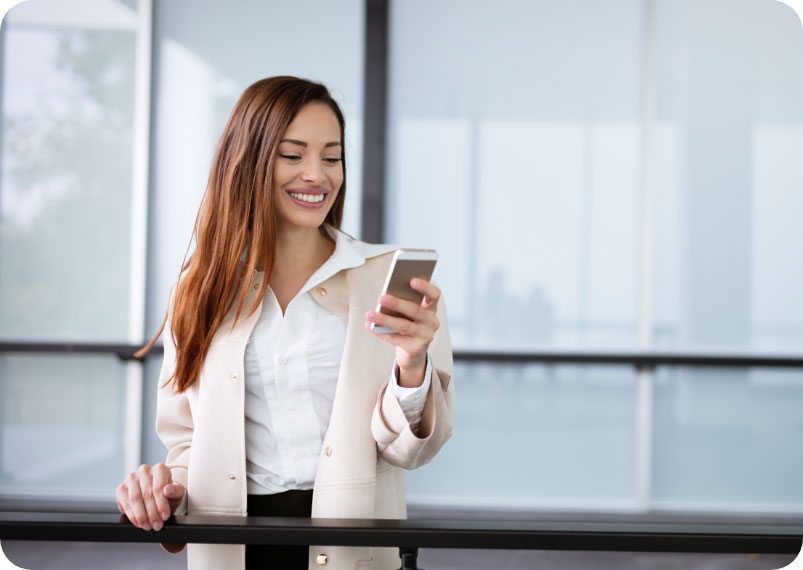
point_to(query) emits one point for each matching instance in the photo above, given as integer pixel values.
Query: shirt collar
(348, 253)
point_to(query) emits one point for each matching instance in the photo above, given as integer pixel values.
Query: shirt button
(234, 376)
(283, 361)
(291, 406)
(322, 559)
(328, 451)
(232, 476)
(321, 291)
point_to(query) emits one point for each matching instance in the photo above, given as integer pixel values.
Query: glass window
(514, 150)
(725, 439)
(62, 420)
(65, 175)
(153, 450)
(65, 196)
(727, 156)
(728, 169)
(535, 436)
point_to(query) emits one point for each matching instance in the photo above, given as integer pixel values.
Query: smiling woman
(275, 398)
(308, 174)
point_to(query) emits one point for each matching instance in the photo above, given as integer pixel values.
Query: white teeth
(311, 198)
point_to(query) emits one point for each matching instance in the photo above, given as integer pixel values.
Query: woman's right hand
(148, 496)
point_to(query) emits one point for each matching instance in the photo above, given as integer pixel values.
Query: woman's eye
(332, 160)
(290, 156)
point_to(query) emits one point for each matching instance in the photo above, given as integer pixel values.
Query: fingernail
(165, 516)
(157, 526)
(370, 315)
(169, 491)
(146, 526)
(384, 299)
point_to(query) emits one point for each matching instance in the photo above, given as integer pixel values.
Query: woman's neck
(299, 253)
(300, 250)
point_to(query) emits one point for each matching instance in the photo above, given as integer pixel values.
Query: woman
(275, 397)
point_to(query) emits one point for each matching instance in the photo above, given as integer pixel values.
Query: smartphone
(407, 264)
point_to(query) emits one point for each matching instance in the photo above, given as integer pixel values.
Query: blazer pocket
(364, 564)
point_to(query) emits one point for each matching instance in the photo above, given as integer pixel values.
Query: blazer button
(256, 286)
(232, 476)
(322, 559)
(328, 451)
(234, 376)
(321, 291)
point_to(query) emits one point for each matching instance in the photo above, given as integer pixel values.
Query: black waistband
(286, 504)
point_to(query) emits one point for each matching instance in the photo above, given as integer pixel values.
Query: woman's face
(308, 171)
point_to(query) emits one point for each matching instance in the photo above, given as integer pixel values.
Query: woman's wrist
(412, 376)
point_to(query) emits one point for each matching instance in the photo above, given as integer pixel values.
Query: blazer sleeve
(174, 423)
(396, 442)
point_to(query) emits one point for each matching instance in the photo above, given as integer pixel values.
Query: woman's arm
(425, 331)
(151, 494)
(174, 423)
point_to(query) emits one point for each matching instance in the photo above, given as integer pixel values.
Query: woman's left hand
(415, 331)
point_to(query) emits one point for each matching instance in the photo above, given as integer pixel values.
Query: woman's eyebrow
(302, 143)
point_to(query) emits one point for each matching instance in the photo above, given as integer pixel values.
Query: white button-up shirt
(291, 367)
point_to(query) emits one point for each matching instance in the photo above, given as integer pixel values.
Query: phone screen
(407, 264)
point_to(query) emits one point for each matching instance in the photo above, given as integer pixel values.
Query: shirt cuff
(412, 400)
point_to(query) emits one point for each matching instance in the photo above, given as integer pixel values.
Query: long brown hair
(235, 228)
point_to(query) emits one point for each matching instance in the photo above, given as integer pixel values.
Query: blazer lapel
(333, 295)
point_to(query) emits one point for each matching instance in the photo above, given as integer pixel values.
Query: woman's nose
(313, 171)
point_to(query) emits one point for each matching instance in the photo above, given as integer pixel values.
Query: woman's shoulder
(367, 251)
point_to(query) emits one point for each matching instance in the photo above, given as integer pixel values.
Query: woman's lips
(308, 198)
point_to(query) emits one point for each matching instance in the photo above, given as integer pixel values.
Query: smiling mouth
(313, 199)
(309, 198)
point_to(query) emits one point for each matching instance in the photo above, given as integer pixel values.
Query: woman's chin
(304, 221)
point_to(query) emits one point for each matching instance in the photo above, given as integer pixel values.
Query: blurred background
(601, 179)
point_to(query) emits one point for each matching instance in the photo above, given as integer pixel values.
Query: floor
(107, 556)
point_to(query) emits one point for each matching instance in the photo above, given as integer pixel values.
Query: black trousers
(287, 504)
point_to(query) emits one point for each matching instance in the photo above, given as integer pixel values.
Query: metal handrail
(639, 359)
(783, 537)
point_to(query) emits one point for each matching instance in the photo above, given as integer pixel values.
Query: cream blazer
(365, 450)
